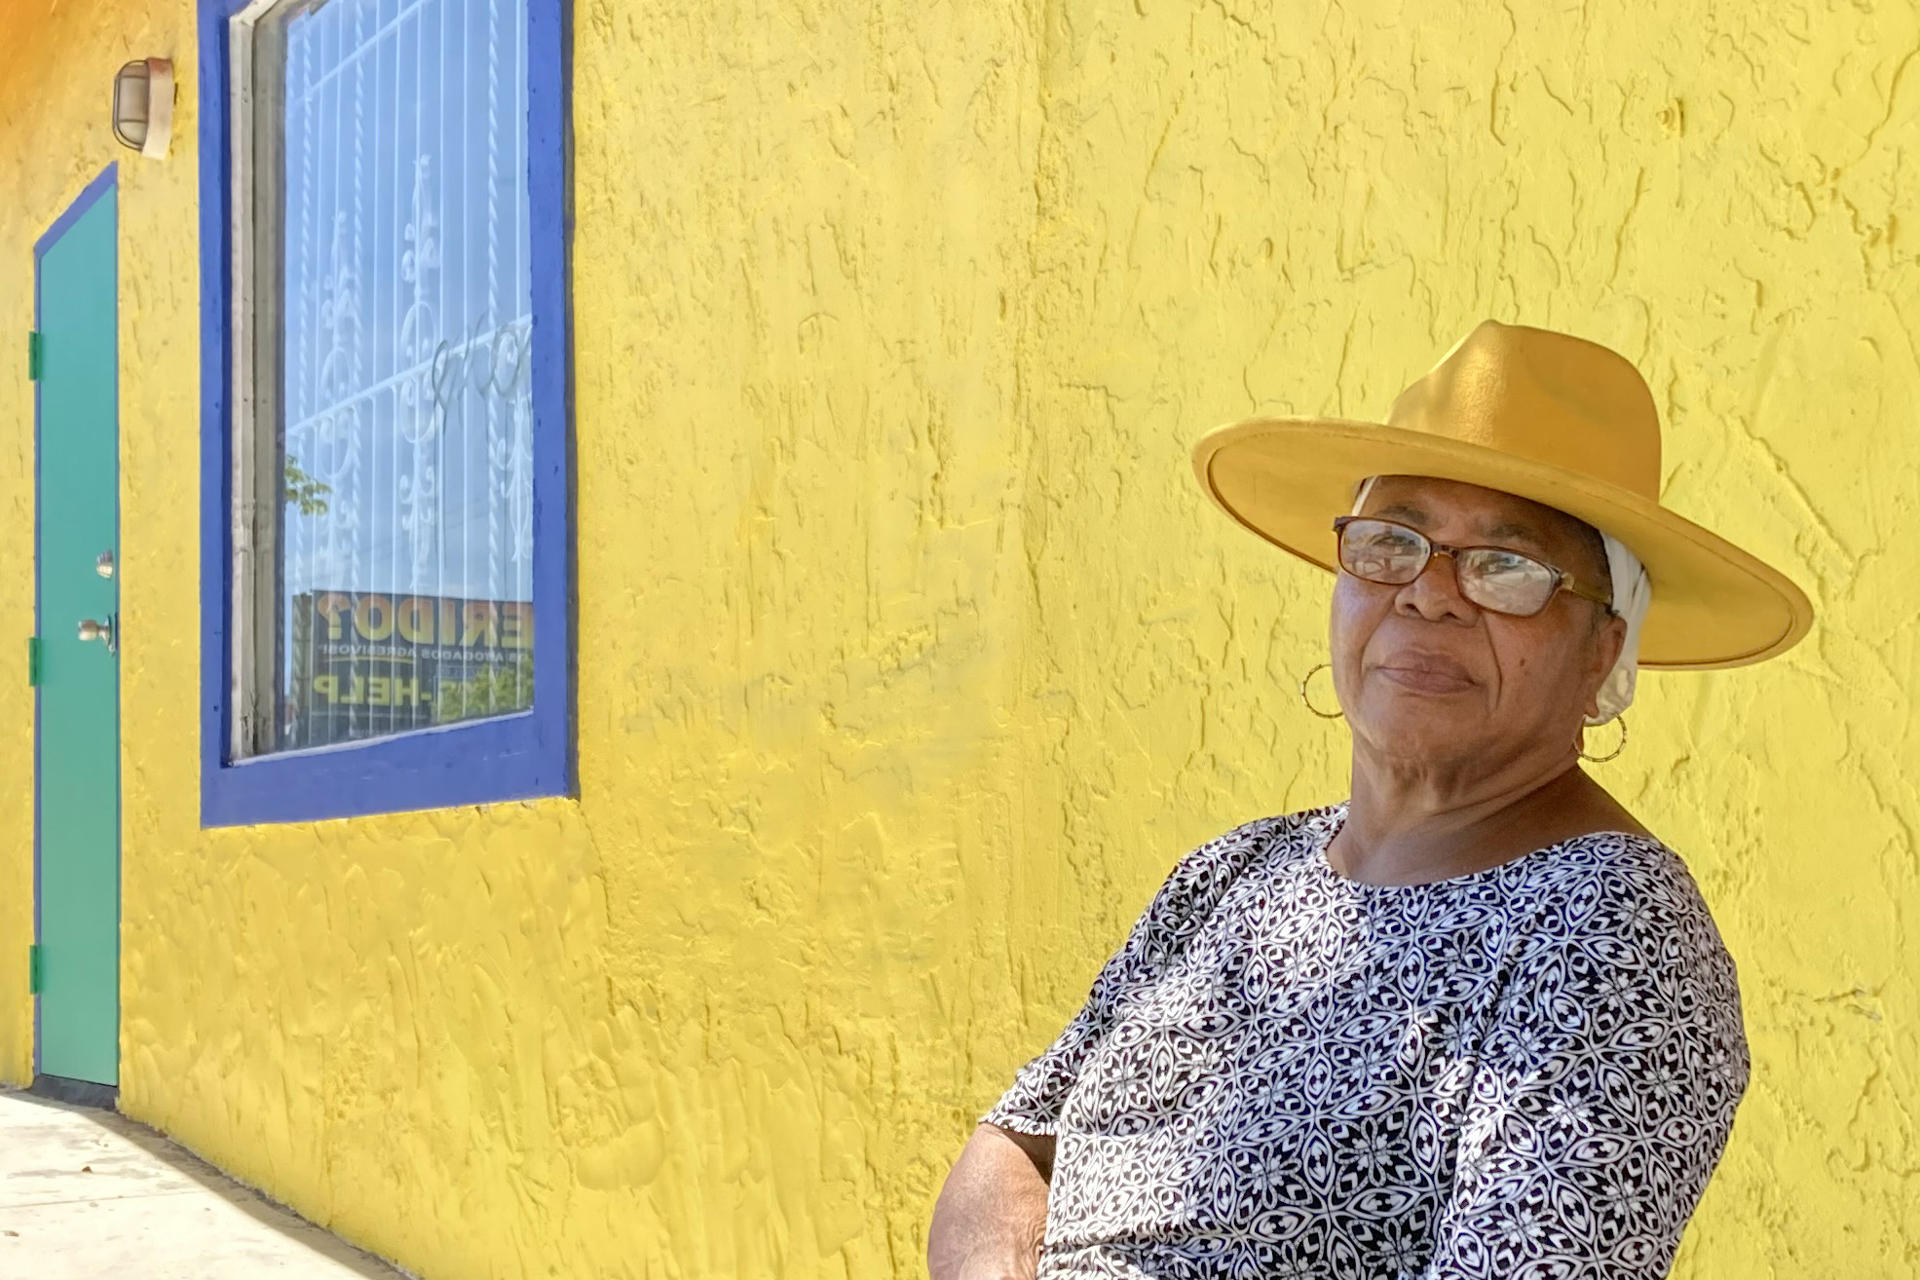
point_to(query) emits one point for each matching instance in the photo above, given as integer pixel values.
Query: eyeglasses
(1492, 577)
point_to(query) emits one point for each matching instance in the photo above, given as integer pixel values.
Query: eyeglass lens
(1394, 555)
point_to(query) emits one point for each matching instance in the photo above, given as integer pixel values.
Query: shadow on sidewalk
(78, 1175)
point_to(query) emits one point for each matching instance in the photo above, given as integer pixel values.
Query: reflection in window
(402, 560)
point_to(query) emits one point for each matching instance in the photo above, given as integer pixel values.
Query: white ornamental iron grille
(406, 392)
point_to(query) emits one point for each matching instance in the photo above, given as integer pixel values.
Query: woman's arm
(992, 1213)
(1605, 1091)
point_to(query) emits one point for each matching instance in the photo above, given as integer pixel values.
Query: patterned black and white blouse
(1522, 1073)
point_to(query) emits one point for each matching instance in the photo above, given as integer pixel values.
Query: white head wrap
(1630, 602)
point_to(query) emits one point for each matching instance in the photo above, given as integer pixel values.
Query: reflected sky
(407, 296)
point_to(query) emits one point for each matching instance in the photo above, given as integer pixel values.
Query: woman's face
(1425, 674)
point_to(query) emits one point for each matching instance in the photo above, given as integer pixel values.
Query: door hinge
(33, 355)
(36, 969)
(33, 662)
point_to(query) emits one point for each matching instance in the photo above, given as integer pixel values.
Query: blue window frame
(261, 773)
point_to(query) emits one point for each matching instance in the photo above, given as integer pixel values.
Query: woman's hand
(992, 1213)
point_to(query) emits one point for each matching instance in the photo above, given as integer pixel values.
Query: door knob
(93, 630)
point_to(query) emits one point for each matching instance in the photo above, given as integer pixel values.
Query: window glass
(392, 241)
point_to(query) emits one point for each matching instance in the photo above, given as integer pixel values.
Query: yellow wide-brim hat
(1546, 416)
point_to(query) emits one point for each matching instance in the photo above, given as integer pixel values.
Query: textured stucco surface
(910, 659)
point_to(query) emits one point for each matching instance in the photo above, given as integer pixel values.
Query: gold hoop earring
(1611, 755)
(1324, 715)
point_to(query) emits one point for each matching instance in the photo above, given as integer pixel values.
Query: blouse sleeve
(1604, 1094)
(1183, 903)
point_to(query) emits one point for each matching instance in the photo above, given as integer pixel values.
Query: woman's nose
(1435, 594)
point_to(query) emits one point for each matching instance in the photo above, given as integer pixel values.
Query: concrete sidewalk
(87, 1194)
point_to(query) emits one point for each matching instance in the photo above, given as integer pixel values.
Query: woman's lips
(1427, 673)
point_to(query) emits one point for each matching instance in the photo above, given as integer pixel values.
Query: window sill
(520, 757)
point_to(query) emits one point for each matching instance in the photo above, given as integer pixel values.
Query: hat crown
(1549, 397)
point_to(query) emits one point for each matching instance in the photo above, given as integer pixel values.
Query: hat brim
(1713, 604)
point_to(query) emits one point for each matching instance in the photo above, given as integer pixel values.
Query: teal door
(77, 728)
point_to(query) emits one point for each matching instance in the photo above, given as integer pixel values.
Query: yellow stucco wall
(910, 659)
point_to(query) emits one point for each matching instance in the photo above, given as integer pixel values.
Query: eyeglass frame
(1562, 580)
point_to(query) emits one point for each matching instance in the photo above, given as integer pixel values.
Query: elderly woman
(1476, 1021)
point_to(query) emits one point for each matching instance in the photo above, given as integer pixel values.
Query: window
(386, 579)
